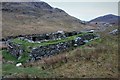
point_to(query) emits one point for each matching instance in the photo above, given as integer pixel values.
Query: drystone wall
(42, 51)
(50, 50)
(15, 49)
(50, 36)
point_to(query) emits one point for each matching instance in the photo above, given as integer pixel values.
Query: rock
(62, 32)
(86, 41)
(18, 64)
(77, 39)
(10, 62)
(75, 45)
(19, 57)
(115, 32)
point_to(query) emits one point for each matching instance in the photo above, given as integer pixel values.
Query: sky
(81, 0)
(87, 10)
(82, 9)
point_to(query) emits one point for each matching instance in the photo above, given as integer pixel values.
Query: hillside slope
(36, 17)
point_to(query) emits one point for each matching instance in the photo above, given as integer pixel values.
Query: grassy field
(97, 59)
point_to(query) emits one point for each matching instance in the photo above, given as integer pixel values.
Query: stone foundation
(49, 50)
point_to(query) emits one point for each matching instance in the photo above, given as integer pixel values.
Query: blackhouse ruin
(37, 46)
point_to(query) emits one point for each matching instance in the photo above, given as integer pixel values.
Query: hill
(110, 18)
(36, 17)
(96, 59)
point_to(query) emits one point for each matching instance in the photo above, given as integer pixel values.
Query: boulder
(115, 32)
(18, 64)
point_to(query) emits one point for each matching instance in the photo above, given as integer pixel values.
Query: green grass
(7, 56)
(12, 70)
(24, 58)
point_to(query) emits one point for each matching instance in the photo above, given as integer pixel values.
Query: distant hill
(110, 18)
(36, 17)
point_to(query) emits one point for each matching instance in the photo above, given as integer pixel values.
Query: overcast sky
(81, 0)
(82, 9)
(87, 10)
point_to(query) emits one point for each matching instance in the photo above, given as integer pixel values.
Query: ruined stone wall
(51, 36)
(39, 52)
(15, 49)
(50, 50)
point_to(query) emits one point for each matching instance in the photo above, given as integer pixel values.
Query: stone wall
(50, 36)
(50, 50)
(39, 52)
(15, 49)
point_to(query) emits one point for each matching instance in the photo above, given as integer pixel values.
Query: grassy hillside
(110, 18)
(29, 18)
(97, 59)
